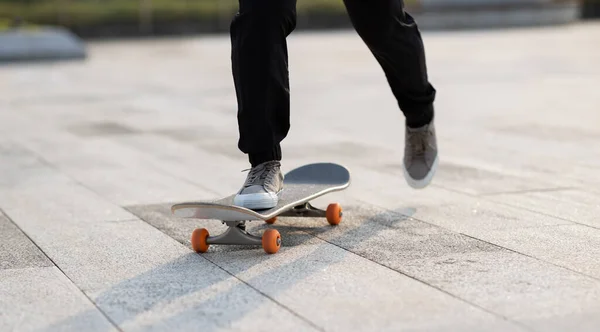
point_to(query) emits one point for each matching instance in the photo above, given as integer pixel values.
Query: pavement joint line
(33, 101)
(242, 281)
(159, 169)
(500, 246)
(426, 283)
(63, 272)
(490, 199)
(526, 191)
(183, 179)
(270, 298)
(545, 214)
(536, 258)
(43, 160)
(27, 268)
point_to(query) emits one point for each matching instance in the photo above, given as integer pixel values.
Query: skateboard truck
(333, 213)
(235, 234)
(306, 210)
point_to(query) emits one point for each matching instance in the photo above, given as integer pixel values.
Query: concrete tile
(127, 186)
(64, 203)
(102, 129)
(575, 247)
(189, 292)
(94, 255)
(193, 163)
(477, 215)
(16, 250)
(531, 292)
(473, 180)
(35, 190)
(21, 168)
(56, 201)
(577, 205)
(43, 299)
(114, 171)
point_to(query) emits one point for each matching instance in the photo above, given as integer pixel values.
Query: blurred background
(111, 18)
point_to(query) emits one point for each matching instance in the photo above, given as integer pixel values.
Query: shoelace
(418, 142)
(259, 174)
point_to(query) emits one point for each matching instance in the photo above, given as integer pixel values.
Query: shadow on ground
(186, 292)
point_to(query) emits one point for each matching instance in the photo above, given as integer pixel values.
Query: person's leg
(394, 39)
(260, 72)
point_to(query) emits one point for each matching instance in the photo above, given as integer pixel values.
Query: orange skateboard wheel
(334, 214)
(271, 241)
(271, 221)
(199, 237)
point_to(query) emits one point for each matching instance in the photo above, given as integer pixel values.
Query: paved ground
(507, 238)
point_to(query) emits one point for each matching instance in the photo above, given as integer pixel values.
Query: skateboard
(300, 186)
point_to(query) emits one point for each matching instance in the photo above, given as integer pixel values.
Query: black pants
(260, 66)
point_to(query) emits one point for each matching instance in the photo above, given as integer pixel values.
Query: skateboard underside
(301, 185)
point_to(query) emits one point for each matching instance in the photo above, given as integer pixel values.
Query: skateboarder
(260, 73)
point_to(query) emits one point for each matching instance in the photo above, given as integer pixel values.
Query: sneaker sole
(420, 184)
(256, 201)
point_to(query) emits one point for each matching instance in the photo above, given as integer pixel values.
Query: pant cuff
(269, 155)
(420, 119)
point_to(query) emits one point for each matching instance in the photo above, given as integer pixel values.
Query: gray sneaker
(262, 185)
(420, 155)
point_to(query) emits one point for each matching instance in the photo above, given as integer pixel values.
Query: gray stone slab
(577, 205)
(220, 174)
(189, 292)
(60, 202)
(316, 279)
(471, 179)
(515, 286)
(575, 247)
(16, 250)
(43, 299)
(30, 188)
(479, 215)
(119, 174)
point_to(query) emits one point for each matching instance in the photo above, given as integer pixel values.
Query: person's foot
(262, 185)
(420, 155)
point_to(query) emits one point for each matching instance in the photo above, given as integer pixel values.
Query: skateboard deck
(301, 185)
